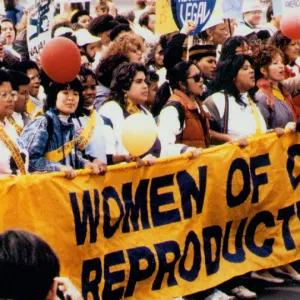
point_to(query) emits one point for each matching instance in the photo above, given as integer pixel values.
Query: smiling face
(89, 91)
(67, 101)
(138, 92)
(245, 79)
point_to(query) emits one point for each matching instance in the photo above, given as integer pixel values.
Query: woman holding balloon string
(129, 91)
(50, 139)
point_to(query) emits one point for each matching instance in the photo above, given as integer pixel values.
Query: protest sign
(38, 29)
(172, 229)
(164, 18)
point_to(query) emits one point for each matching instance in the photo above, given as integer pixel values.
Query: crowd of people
(237, 79)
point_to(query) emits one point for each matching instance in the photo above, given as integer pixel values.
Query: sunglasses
(196, 77)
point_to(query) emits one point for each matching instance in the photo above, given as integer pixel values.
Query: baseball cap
(84, 37)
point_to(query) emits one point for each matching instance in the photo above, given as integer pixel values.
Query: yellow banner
(172, 229)
(164, 18)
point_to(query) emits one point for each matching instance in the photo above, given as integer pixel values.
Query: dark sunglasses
(196, 77)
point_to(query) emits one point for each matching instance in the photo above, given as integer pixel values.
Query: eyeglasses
(196, 77)
(6, 96)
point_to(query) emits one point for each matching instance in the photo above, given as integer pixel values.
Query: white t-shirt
(7, 163)
(241, 120)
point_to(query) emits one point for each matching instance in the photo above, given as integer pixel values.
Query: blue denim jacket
(36, 139)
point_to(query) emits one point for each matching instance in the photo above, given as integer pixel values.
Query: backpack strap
(226, 114)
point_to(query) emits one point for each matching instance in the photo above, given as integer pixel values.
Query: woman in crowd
(127, 47)
(290, 49)
(183, 123)
(90, 128)
(129, 91)
(50, 138)
(8, 31)
(14, 156)
(30, 269)
(234, 114)
(273, 99)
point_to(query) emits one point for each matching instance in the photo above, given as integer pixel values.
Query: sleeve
(215, 120)
(168, 129)
(174, 51)
(292, 84)
(35, 137)
(81, 161)
(263, 107)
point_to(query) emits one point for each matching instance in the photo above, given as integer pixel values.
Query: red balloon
(60, 59)
(290, 26)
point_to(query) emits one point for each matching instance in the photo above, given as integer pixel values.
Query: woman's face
(243, 49)
(23, 97)
(84, 21)
(67, 101)
(7, 103)
(208, 66)
(89, 91)
(159, 56)
(292, 50)
(35, 81)
(194, 87)
(275, 71)
(135, 55)
(245, 79)
(7, 32)
(138, 92)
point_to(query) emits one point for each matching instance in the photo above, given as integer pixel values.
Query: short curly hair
(263, 58)
(126, 42)
(122, 80)
(281, 42)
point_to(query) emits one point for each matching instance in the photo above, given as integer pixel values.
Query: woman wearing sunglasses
(14, 157)
(183, 123)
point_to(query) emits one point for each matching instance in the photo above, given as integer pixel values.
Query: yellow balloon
(138, 134)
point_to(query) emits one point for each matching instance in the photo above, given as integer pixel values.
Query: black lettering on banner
(293, 151)
(209, 234)
(238, 164)
(157, 200)
(239, 255)
(135, 209)
(87, 215)
(89, 266)
(266, 249)
(261, 179)
(166, 267)
(111, 278)
(108, 229)
(188, 189)
(298, 209)
(286, 214)
(136, 274)
(192, 274)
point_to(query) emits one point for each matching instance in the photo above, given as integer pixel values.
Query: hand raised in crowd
(67, 288)
(102, 166)
(70, 173)
(188, 27)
